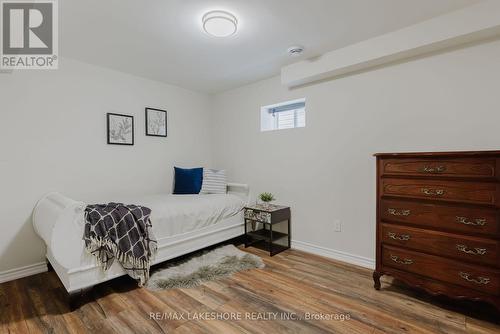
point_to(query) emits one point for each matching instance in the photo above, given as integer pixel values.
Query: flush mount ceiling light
(219, 23)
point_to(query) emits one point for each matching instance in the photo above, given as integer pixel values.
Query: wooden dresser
(438, 223)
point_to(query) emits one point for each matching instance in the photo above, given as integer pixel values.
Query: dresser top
(439, 154)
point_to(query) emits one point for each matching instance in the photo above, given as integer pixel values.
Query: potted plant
(266, 199)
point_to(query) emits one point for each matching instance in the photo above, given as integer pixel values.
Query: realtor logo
(29, 34)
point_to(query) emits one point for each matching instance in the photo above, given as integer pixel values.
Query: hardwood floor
(292, 284)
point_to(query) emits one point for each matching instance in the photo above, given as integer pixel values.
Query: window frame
(275, 111)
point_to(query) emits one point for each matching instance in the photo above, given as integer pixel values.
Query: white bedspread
(171, 215)
(60, 220)
(177, 214)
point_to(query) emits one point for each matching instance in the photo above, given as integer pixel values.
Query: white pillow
(214, 181)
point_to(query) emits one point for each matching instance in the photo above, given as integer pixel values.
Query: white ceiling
(163, 39)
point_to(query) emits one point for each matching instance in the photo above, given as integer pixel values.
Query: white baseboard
(334, 254)
(21, 272)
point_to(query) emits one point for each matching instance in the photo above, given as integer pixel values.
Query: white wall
(326, 171)
(53, 138)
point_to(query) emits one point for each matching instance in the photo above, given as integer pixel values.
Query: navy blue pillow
(188, 180)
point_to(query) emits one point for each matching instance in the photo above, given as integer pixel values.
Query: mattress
(178, 214)
(59, 220)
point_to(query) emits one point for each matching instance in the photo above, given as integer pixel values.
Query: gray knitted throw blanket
(123, 232)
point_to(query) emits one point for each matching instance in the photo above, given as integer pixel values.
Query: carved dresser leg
(376, 280)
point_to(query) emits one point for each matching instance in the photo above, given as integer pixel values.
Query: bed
(181, 224)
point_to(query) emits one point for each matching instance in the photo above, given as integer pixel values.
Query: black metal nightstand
(264, 227)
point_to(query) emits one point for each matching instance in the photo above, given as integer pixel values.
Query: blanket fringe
(102, 245)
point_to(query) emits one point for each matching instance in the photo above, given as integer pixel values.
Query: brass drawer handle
(433, 192)
(396, 259)
(475, 251)
(396, 212)
(474, 222)
(437, 169)
(480, 280)
(402, 237)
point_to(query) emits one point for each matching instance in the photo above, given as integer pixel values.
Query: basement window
(285, 115)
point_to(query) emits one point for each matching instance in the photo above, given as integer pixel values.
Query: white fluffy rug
(218, 263)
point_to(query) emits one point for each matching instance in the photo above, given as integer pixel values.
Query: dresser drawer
(443, 217)
(466, 192)
(476, 250)
(455, 272)
(464, 168)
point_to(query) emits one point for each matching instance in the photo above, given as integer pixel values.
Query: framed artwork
(156, 122)
(120, 129)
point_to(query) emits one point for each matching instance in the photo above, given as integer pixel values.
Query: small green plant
(266, 197)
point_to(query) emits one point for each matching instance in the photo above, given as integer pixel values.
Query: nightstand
(267, 227)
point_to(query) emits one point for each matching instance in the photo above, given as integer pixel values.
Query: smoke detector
(295, 50)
